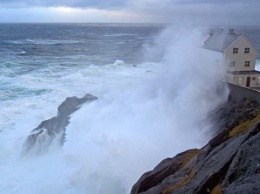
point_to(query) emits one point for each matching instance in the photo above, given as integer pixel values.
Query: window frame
(247, 63)
(247, 50)
(232, 64)
(235, 50)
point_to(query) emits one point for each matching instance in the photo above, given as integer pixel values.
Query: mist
(127, 132)
(132, 126)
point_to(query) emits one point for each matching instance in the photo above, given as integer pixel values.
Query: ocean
(154, 98)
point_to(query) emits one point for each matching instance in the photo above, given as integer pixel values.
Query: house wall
(241, 79)
(238, 93)
(240, 57)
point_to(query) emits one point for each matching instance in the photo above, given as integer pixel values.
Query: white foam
(119, 34)
(20, 116)
(44, 41)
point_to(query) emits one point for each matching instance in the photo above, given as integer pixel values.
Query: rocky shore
(229, 163)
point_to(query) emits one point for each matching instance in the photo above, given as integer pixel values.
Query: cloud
(122, 4)
(103, 4)
(214, 12)
(221, 12)
(66, 14)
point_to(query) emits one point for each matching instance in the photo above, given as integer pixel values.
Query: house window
(240, 80)
(253, 78)
(247, 50)
(235, 50)
(247, 63)
(232, 64)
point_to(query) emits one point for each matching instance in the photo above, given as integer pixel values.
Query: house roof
(220, 41)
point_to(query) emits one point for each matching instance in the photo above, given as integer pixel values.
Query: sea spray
(56, 171)
(143, 114)
(127, 132)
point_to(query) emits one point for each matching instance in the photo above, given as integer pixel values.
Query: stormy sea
(155, 95)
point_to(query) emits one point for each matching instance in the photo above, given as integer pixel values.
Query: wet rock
(166, 168)
(229, 163)
(243, 175)
(42, 136)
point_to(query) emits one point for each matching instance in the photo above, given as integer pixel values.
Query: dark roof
(244, 72)
(220, 41)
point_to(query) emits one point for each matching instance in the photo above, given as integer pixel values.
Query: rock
(229, 163)
(42, 136)
(243, 175)
(166, 168)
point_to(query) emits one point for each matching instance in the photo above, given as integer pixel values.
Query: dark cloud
(212, 12)
(104, 4)
(101, 4)
(215, 2)
(224, 12)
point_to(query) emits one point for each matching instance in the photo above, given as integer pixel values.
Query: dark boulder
(42, 136)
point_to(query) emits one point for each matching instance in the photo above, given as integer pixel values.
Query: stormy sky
(213, 12)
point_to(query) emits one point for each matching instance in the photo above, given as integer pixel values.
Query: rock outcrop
(42, 136)
(229, 163)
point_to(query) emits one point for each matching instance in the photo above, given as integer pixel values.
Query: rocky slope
(229, 163)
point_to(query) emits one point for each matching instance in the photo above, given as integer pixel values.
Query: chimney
(231, 31)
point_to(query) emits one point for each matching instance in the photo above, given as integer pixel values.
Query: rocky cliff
(229, 163)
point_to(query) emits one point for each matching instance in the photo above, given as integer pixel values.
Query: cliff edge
(229, 163)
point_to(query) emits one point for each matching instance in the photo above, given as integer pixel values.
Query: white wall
(240, 57)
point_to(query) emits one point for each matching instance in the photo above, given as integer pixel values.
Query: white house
(237, 55)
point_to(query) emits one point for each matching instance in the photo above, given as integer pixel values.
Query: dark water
(37, 45)
(28, 48)
(93, 43)
(57, 50)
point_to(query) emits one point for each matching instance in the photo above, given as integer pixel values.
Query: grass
(217, 190)
(184, 181)
(190, 174)
(244, 127)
